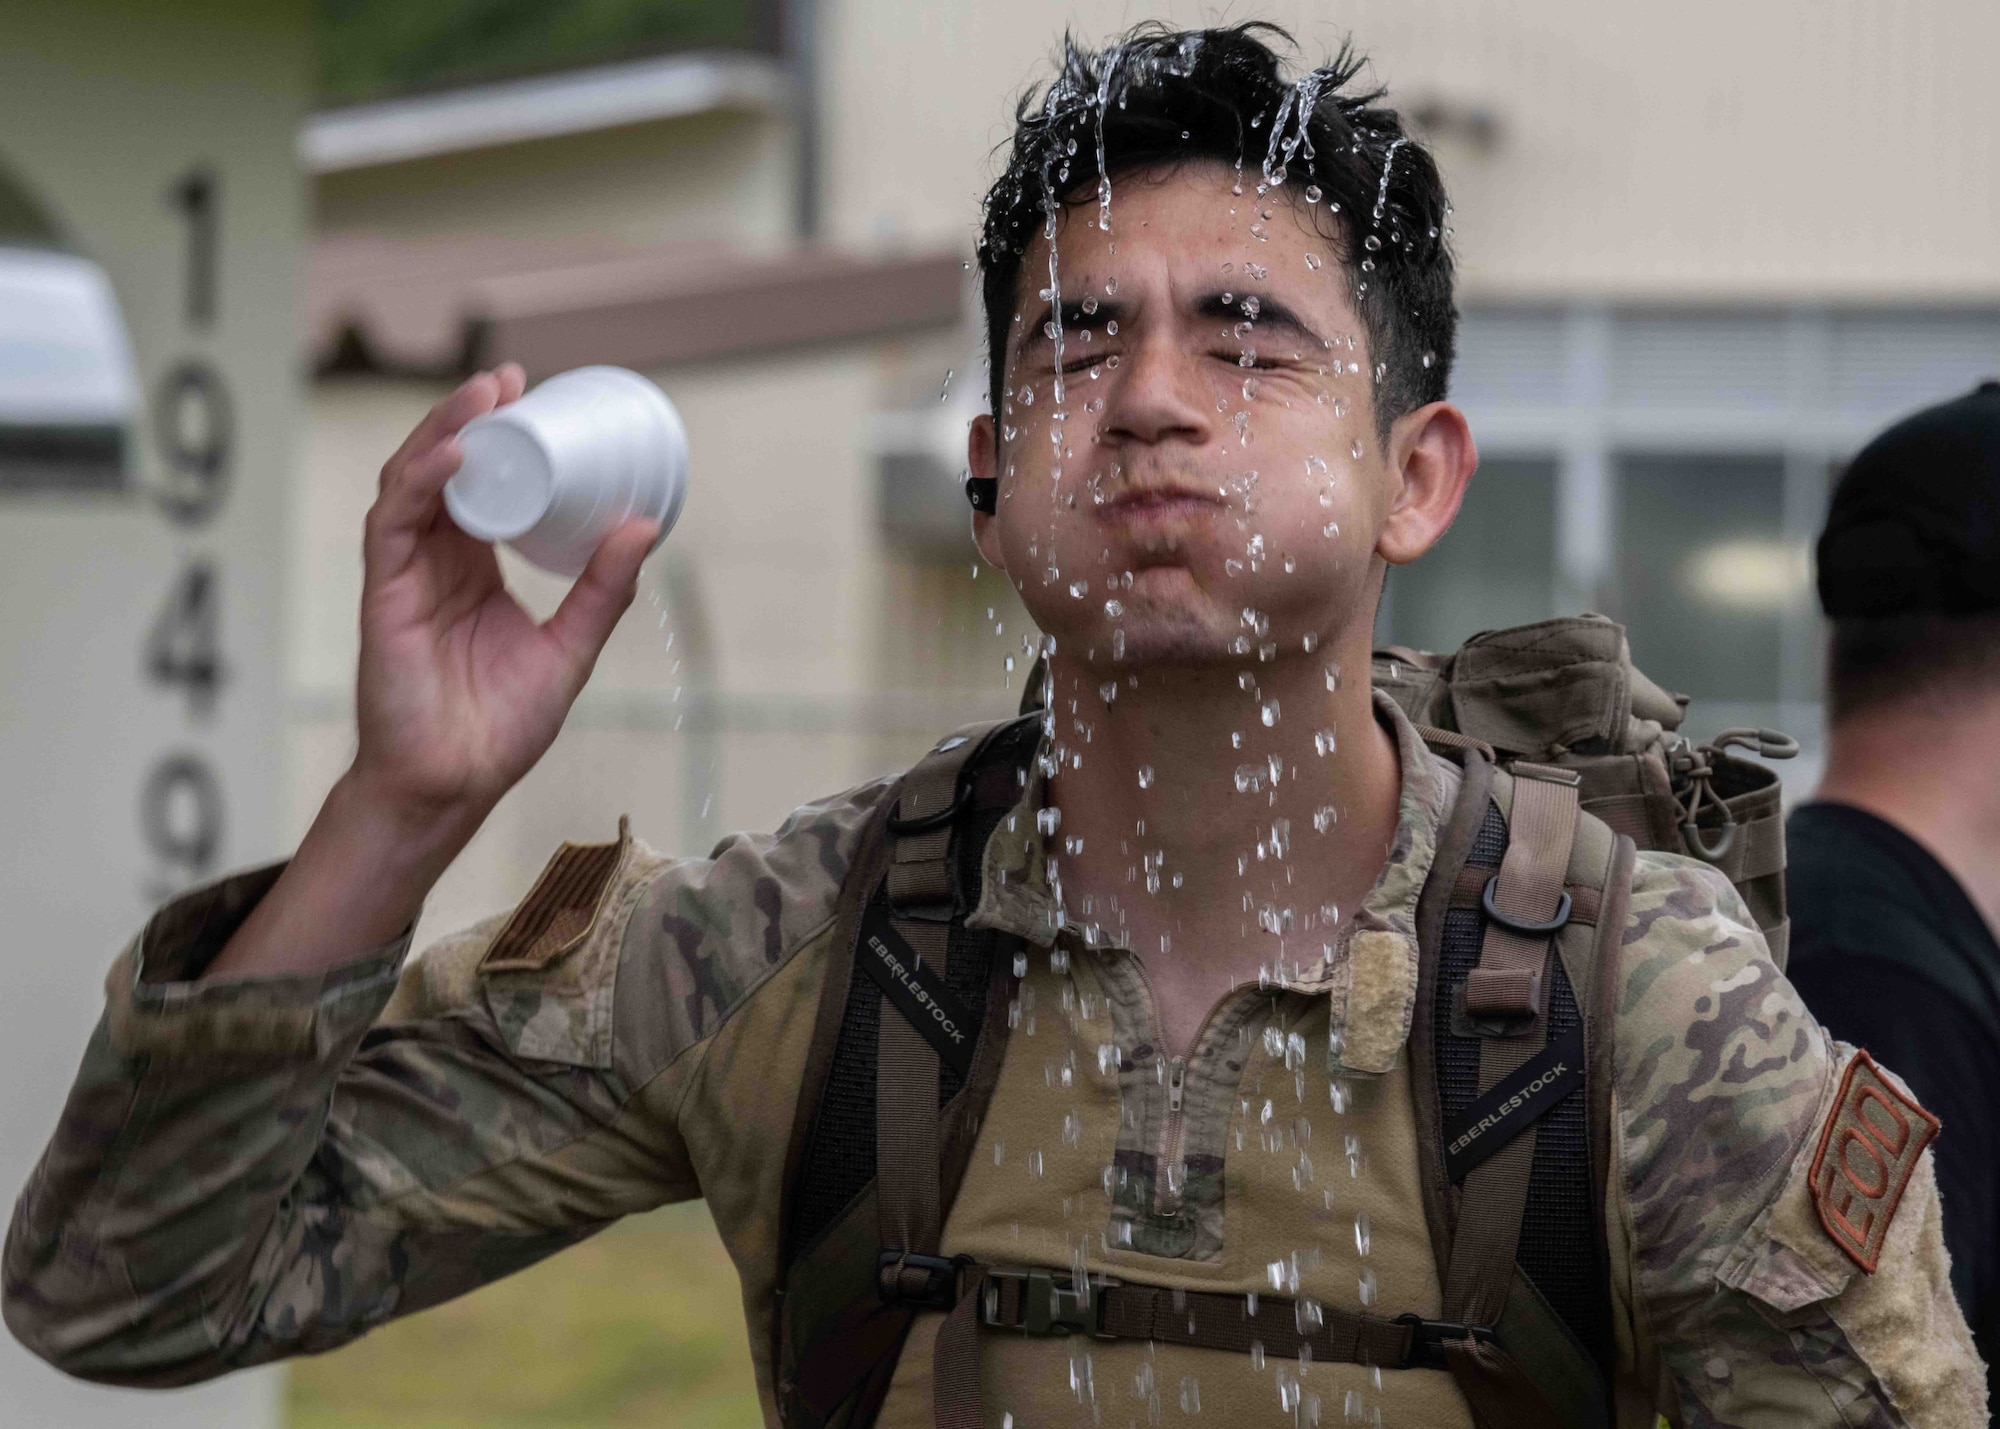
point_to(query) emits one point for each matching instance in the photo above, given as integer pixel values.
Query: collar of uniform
(1371, 971)
(1014, 891)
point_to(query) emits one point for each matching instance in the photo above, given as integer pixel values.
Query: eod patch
(1866, 1156)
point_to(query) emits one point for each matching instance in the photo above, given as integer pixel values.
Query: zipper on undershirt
(1171, 1177)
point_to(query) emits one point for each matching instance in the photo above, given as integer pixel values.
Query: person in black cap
(1895, 865)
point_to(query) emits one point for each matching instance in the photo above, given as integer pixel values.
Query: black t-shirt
(1891, 955)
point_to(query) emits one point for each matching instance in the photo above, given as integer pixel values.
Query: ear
(1434, 458)
(982, 459)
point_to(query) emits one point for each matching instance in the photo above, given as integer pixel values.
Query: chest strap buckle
(1427, 1339)
(1042, 1302)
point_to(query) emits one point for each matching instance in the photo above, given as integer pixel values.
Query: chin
(1188, 643)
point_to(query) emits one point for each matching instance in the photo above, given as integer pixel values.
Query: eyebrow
(1273, 317)
(1074, 317)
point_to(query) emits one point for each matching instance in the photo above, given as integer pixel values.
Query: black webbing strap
(1525, 905)
(920, 898)
(1047, 1302)
(1050, 1302)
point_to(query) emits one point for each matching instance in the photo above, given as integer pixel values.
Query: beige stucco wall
(105, 105)
(704, 177)
(1708, 150)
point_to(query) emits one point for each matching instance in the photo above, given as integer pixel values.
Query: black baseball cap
(1915, 522)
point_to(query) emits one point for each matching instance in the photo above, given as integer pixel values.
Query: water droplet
(1111, 330)
(1256, 1351)
(1333, 677)
(1020, 965)
(1330, 530)
(1268, 712)
(1313, 262)
(1108, 691)
(1110, 285)
(1324, 818)
(1312, 193)
(1249, 389)
(1430, 360)
(1145, 776)
(1355, 450)
(1323, 742)
(1190, 1394)
(1249, 779)
(1361, 1228)
(1369, 1286)
(1035, 1164)
(1079, 589)
(1114, 608)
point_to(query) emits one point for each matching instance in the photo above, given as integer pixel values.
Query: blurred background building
(1706, 249)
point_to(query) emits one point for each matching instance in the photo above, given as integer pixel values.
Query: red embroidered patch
(1866, 1155)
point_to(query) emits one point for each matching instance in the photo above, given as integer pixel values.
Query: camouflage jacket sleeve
(1733, 1288)
(252, 1168)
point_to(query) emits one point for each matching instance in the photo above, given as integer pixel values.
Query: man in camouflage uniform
(283, 1134)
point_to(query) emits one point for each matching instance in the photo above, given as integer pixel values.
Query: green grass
(641, 1325)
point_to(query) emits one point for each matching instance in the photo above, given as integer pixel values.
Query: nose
(1158, 397)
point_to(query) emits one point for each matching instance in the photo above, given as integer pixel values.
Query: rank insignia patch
(1866, 1156)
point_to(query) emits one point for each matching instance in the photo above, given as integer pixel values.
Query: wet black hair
(1159, 96)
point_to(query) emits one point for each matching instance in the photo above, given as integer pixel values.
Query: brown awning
(435, 307)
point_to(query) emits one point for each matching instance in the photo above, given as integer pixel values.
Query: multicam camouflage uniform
(255, 1168)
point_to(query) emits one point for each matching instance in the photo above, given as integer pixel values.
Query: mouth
(1160, 505)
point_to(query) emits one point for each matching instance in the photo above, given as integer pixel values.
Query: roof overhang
(436, 307)
(539, 107)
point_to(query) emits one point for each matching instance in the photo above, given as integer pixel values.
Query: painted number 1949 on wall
(182, 809)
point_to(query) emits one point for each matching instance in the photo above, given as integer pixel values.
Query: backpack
(1570, 761)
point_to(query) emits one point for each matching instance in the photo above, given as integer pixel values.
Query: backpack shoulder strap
(1525, 887)
(905, 1053)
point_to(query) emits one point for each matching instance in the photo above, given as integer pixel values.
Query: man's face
(1209, 485)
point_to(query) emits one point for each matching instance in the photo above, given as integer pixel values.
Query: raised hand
(460, 692)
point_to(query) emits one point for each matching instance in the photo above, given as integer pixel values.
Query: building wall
(1795, 149)
(105, 105)
(706, 177)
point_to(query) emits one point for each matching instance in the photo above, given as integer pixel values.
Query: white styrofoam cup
(556, 472)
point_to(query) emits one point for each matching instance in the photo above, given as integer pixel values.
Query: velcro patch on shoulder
(560, 908)
(1873, 1137)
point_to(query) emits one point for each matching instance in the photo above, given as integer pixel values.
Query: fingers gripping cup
(555, 473)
